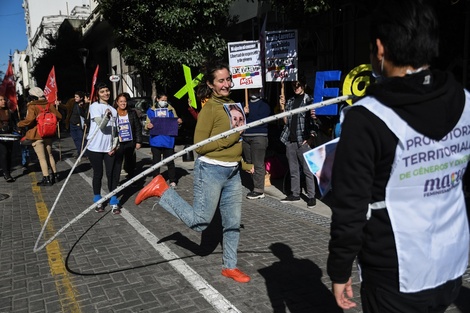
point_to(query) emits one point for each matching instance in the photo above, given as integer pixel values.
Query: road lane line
(63, 284)
(209, 293)
(215, 298)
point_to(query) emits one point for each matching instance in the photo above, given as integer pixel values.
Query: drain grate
(4, 196)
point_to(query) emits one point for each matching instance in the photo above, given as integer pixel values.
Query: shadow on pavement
(210, 238)
(295, 284)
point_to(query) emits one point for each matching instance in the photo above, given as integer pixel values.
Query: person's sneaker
(311, 203)
(255, 195)
(236, 275)
(116, 209)
(290, 199)
(99, 208)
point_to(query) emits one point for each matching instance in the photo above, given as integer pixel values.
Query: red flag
(93, 82)
(8, 88)
(50, 91)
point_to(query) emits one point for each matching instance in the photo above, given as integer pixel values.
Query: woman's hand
(137, 146)
(149, 125)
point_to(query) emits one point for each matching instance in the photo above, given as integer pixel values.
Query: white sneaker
(116, 209)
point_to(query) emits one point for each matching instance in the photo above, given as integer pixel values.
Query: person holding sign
(163, 123)
(298, 133)
(398, 204)
(216, 172)
(130, 137)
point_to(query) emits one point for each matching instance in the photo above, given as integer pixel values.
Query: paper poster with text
(245, 64)
(281, 56)
(320, 163)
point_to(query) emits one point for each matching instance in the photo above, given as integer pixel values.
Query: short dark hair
(100, 85)
(160, 94)
(409, 31)
(80, 94)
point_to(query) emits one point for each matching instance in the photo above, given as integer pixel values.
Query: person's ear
(380, 54)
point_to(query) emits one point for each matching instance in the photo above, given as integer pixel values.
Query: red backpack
(46, 122)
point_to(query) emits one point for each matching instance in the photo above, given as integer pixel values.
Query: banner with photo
(236, 114)
(320, 162)
(245, 64)
(281, 56)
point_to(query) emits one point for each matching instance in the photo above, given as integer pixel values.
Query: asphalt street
(145, 260)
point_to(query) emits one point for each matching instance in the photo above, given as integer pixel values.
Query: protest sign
(245, 64)
(320, 163)
(281, 56)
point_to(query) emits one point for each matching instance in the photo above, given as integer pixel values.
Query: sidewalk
(145, 260)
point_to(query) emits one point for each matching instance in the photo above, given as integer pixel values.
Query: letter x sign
(189, 87)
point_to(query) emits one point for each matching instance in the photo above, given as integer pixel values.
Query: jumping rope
(165, 161)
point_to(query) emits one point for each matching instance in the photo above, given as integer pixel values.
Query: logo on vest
(443, 184)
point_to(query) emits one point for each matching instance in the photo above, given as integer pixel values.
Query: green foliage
(157, 37)
(62, 53)
(305, 6)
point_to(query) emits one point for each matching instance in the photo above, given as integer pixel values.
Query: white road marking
(215, 298)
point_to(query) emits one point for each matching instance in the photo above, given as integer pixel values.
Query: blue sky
(13, 30)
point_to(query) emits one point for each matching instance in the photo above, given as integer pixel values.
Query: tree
(62, 53)
(157, 37)
(305, 6)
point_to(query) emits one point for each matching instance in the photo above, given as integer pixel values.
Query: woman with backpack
(42, 145)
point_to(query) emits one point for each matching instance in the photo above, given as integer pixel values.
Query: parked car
(141, 105)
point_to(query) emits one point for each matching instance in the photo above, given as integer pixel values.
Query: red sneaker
(236, 275)
(155, 188)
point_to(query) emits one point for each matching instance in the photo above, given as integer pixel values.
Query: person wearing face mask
(217, 180)
(162, 144)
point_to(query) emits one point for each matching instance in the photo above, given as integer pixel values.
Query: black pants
(380, 294)
(6, 150)
(96, 160)
(125, 152)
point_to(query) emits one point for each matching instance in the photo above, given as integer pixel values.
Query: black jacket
(135, 125)
(363, 163)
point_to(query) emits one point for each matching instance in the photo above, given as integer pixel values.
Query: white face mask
(162, 104)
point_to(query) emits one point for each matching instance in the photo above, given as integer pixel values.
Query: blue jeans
(213, 185)
(76, 132)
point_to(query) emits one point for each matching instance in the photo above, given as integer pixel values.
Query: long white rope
(169, 159)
